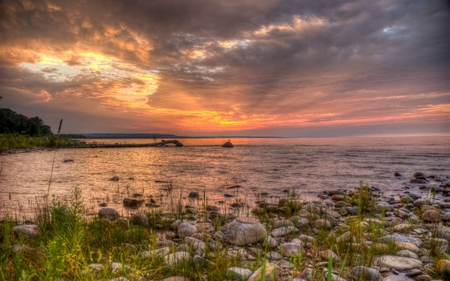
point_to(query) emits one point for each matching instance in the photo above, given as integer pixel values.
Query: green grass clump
(15, 141)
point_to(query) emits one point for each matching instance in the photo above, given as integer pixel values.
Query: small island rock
(228, 144)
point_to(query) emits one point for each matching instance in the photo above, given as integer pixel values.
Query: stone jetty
(119, 145)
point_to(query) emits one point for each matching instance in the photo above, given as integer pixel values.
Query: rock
(176, 258)
(17, 248)
(407, 253)
(444, 232)
(271, 242)
(397, 174)
(285, 264)
(239, 273)
(228, 144)
(68, 161)
(155, 253)
(211, 208)
(30, 230)
(195, 243)
(321, 223)
(366, 273)
(408, 246)
(176, 278)
(274, 256)
(443, 265)
(384, 207)
(401, 238)
(437, 243)
(326, 255)
(194, 194)
(431, 216)
(414, 272)
(337, 197)
(97, 267)
(175, 224)
(421, 202)
(419, 175)
(398, 263)
(418, 181)
(284, 230)
(115, 178)
(199, 260)
(186, 229)
(379, 247)
(132, 202)
(345, 237)
(205, 227)
(290, 249)
(352, 210)
(340, 204)
(116, 266)
(191, 211)
(270, 273)
(300, 222)
(403, 227)
(139, 219)
(280, 223)
(244, 230)
(307, 239)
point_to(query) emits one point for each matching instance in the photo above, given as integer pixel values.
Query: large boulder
(108, 213)
(244, 230)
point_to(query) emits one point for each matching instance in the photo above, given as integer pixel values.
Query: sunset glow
(259, 68)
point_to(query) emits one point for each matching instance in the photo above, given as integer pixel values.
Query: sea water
(263, 168)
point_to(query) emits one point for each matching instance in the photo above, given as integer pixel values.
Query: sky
(293, 68)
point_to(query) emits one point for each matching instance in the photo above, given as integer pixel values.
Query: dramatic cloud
(275, 67)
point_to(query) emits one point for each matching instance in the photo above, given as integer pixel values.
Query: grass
(14, 141)
(70, 243)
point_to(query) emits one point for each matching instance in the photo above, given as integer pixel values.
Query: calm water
(308, 166)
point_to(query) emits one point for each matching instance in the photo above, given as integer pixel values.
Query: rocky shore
(344, 235)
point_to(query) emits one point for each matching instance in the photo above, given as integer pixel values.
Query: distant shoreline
(156, 136)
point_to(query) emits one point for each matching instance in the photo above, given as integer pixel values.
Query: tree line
(12, 122)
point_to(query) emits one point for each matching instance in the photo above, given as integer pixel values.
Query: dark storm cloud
(342, 60)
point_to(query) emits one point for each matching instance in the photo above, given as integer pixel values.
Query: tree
(14, 123)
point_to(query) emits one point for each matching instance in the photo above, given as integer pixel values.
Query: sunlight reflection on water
(308, 166)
